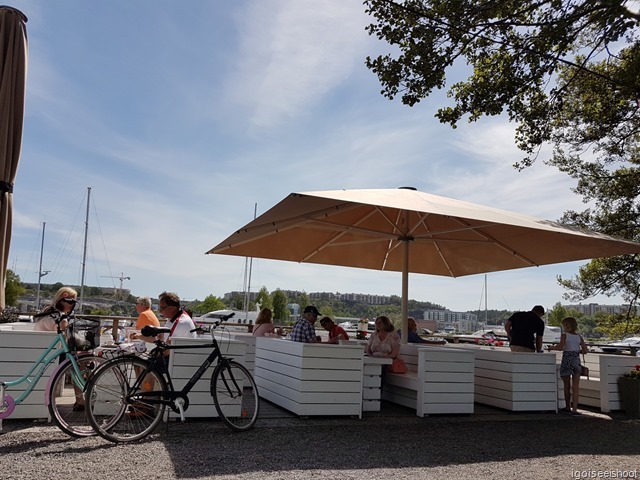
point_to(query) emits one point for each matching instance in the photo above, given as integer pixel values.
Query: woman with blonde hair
(571, 345)
(63, 303)
(264, 324)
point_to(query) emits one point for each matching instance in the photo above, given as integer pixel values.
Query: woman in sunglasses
(63, 303)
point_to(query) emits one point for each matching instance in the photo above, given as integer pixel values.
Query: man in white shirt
(178, 320)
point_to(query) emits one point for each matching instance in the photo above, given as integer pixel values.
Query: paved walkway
(394, 444)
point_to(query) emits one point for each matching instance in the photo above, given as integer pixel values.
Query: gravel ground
(490, 445)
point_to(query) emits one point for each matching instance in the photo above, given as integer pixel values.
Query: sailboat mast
(40, 274)
(247, 292)
(84, 250)
(486, 311)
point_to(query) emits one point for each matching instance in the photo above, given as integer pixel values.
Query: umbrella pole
(405, 291)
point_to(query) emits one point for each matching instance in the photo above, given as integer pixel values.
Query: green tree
(303, 300)
(13, 288)
(211, 303)
(565, 73)
(279, 301)
(263, 298)
(556, 314)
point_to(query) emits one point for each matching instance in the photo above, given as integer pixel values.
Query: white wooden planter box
(19, 349)
(184, 363)
(310, 378)
(601, 389)
(439, 380)
(513, 380)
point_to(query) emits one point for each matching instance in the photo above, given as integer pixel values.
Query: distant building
(353, 297)
(591, 309)
(462, 321)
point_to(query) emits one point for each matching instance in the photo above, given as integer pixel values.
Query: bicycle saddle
(151, 331)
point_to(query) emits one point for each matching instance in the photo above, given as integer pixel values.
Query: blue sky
(181, 116)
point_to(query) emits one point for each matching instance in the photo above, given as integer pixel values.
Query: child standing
(571, 344)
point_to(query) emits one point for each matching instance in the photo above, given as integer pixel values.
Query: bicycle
(65, 385)
(127, 396)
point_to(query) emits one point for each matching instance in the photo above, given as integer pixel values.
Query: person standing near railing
(525, 330)
(571, 345)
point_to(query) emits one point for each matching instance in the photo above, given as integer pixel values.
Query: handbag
(585, 370)
(398, 366)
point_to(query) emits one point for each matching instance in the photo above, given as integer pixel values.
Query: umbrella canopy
(407, 231)
(13, 74)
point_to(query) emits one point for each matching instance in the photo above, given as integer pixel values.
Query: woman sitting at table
(383, 342)
(264, 325)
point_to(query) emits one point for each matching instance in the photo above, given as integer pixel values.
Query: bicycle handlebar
(151, 331)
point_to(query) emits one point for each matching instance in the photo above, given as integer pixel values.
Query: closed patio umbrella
(13, 73)
(408, 231)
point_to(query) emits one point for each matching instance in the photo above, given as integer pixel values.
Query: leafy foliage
(13, 289)
(567, 73)
(279, 302)
(211, 303)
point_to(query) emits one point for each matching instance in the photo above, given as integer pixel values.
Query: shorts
(570, 364)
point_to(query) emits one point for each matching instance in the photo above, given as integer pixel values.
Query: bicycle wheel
(117, 410)
(235, 395)
(66, 396)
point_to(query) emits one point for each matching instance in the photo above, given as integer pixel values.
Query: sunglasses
(70, 300)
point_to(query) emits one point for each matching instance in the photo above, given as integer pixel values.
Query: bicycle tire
(115, 411)
(235, 395)
(63, 396)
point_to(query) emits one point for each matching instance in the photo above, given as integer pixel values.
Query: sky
(186, 117)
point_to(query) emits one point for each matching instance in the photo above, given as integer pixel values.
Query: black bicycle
(127, 396)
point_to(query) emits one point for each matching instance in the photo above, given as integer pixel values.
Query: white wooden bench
(184, 363)
(515, 381)
(310, 378)
(439, 380)
(19, 349)
(600, 390)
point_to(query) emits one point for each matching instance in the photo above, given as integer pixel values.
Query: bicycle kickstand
(180, 404)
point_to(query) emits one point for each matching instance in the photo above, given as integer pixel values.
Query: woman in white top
(63, 303)
(264, 326)
(571, 344)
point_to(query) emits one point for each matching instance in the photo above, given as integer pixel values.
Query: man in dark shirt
(525, 330)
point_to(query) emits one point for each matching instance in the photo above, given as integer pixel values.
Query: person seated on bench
(383, 342)
(412, 332)
(264, 324)
(304, 330)
(336, 332)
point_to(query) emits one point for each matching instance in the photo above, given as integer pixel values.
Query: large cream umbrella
(405, 230)
(13, 74)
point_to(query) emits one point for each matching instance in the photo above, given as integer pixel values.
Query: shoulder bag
(585, 370)
(398, 366)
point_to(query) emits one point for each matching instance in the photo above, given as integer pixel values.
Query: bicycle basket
(83, 334)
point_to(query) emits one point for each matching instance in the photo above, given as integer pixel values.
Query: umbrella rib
(422, 222)
(486, 237)
(343, 230)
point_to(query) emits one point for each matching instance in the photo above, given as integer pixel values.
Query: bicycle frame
(168, 397)
(57, 347)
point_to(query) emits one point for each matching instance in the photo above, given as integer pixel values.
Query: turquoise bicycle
(66, 384)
